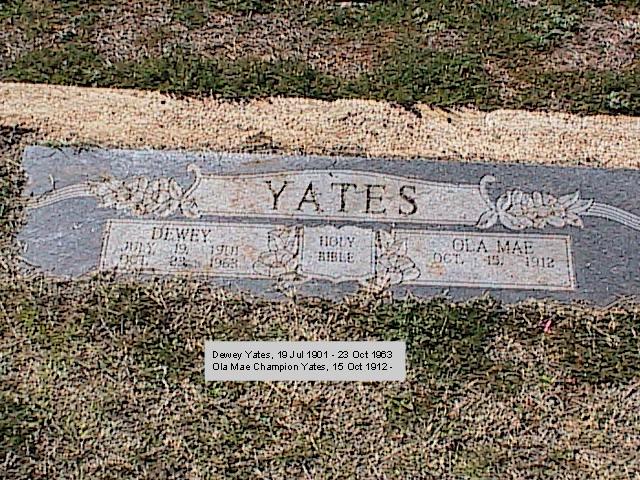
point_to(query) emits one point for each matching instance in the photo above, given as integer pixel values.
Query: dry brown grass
(131, 31)
(104, 380)
(610, 40)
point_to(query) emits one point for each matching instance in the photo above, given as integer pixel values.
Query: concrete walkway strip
(139, 119)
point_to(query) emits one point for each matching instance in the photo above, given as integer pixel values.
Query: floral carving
(139, 195)
(393, 265)
(282, 257)
(142, 196)
(518, 210)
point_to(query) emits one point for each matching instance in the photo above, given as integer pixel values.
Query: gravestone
(330, 225)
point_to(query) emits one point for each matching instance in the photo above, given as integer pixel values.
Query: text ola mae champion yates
(257, 366)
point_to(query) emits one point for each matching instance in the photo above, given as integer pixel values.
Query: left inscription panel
(167, 247)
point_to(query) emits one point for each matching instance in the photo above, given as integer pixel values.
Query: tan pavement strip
(135, 119)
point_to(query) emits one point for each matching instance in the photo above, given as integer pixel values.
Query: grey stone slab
(328, 225)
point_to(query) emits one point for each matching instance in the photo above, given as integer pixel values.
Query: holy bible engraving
(416, 226)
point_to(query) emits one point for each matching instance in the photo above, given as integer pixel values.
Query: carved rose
(518, 210)
(282, 256)
(392, 262)
(141, 196)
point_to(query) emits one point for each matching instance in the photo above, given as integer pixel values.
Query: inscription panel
(492, 260)
(345, 253)
(184, 247)
(337, 195)
(339, 254)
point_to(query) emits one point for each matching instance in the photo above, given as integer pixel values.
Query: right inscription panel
(491, 260)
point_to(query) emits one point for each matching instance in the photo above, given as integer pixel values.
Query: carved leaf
(269, 259)
(175, 190)
(398, 247)
(567, 200)
(393, 277)
(539, 222)
(574, 220)
(384, 262)
(261, 268)
(167, 208)
(504, 202)
(384, 239)
(516, 197)
(548, 199)
(190, 208)
(556, 221)
(515, 223)
(292, 243)
(139, 183)
(140, 195)
(283, 258)
(273, 241)
(403, 263)
(487, 219)
(410, 274)
(537, 199)
(581, 206)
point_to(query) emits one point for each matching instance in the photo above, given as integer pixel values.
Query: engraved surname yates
(338, 194)
(344, 197)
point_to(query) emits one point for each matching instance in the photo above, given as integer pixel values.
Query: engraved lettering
(408, 199)
(489, 260)
(336, 257)
(468, 245)
(370, 197)
(314, 199)
(181, 233)
(515, 248)
(336, 241)
(540, 262)
(338, 254)
(344, 187)
(276, 195)
(447, 258)
(495, 260)
(132, 262)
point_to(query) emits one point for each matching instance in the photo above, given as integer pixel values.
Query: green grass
(403, 69)
(436, 78)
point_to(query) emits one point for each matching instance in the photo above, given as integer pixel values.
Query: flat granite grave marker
(329, 225)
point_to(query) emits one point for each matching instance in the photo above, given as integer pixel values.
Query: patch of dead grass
(609, 40)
